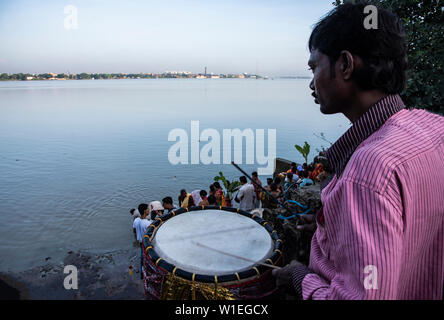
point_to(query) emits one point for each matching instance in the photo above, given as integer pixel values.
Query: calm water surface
(75, 156)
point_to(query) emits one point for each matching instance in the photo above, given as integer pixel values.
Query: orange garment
(224, 202)
(318, 169)
(220, 194)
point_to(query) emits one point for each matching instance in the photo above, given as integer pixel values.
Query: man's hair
(142, 207)
(217, 185)
(168, 200)
(269, 181)
(254, 174)
(294, 170)
(203, 193)
(382, 50)
(243, 179)
(212, 188)
(273, 187)
(211, 199)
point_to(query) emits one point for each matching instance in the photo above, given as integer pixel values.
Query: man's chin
(323, 109)
(326, 110)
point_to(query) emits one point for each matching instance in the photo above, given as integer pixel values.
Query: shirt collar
(340, 152)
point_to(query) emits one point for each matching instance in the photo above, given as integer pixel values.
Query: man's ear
(347, 64)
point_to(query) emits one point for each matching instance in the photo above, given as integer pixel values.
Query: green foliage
(423, 21)
(304, 151)
(230, 187)
(84, 75)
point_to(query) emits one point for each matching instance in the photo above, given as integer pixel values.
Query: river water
(75, 156)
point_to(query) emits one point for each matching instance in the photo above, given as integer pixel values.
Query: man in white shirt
(196, 196)
(139, 227)
(246, 196)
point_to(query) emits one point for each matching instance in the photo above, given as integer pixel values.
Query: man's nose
(312, 87)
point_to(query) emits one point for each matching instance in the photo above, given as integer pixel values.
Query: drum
(210, 252)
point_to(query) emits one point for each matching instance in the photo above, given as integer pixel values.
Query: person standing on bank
(246, 196)
(380, 231)
(257, 189)
(139, 226)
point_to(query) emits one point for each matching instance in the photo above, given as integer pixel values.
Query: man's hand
(284, 276)
(307, 223)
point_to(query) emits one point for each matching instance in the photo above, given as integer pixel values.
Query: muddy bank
(100, 276)
(107, 276)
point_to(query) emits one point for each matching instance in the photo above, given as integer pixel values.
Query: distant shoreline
(55, 80)
(120, 76)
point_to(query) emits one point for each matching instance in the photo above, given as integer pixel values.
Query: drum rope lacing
(193, 285)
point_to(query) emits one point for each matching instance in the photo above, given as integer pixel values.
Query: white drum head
(187, 240)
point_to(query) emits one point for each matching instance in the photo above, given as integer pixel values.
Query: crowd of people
(249, 195)
(298, 176)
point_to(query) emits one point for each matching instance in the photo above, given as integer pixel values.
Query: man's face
(326, 90)
(167, 205)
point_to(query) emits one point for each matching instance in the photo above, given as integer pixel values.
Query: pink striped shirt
(381, 235)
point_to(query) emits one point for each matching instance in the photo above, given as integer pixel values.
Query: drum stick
(265, 190)
(235, 256)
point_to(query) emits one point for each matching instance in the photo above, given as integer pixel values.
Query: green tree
(230, 187)
(304, 151)
(84, 75)
(45, 76)
(423, 21)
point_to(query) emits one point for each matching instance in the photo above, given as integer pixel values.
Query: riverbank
(106, 275)
(100, 276)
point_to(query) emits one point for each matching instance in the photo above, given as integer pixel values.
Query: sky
(132, 36)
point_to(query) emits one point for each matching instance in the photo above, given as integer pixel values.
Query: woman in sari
(318, 169)
(219, 194)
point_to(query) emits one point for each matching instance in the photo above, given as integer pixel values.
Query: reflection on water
(75, 156)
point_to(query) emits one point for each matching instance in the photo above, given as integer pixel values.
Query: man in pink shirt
(380, 232)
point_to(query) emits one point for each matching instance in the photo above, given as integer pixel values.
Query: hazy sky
(227, 36)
